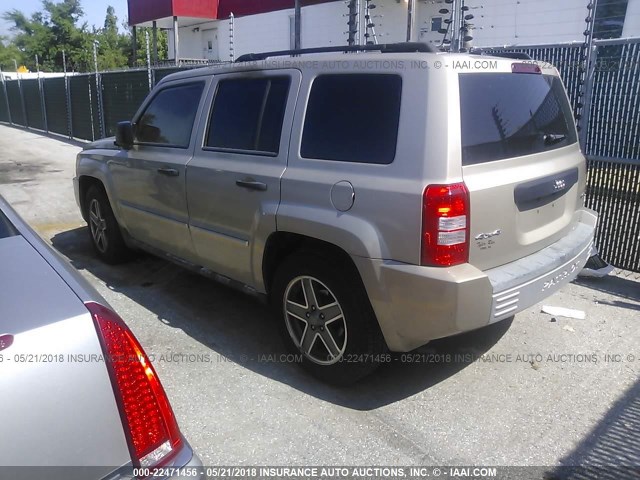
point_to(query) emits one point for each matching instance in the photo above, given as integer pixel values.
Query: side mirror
(124, 135)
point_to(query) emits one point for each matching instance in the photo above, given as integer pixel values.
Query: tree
(57, 28)
(112, 45)
(9, 53)
(49, 32)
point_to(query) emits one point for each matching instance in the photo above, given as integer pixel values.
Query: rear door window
(353, 118)
(247, 115)
(506, 115)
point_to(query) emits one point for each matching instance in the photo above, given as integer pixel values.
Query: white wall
(498, 22)
(632, 22)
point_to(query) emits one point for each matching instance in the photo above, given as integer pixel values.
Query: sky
(94, 11)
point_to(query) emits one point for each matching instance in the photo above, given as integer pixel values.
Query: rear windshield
(506, 115)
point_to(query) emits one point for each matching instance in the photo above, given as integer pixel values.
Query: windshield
(506, 115)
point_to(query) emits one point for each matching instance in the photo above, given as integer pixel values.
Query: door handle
(169, 172)
(252, 185)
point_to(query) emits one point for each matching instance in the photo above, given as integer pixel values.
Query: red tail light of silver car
(149, 422)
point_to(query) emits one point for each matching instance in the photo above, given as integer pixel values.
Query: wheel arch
(281, 245)
(85, 182)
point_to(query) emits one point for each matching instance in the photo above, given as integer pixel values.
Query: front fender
(94, 164)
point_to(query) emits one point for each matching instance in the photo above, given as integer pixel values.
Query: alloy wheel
(315, 320)
(98, 226)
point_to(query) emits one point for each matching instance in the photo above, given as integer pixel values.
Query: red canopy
(141, 11)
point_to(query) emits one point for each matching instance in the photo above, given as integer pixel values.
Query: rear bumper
(525, 282)
(415, 304)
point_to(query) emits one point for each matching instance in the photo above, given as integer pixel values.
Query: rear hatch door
(521, 161)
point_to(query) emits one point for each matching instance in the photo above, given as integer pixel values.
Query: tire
(104, 230)
(340, 312)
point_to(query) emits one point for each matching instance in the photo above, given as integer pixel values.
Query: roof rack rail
(405, 47)
(513, 55)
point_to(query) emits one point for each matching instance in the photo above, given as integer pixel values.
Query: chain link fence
(605, 96)
(84, 106)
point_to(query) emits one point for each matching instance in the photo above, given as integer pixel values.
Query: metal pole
(370, 25)
(6, 96)
(134, 46)
(359, 23)
(146, 34)
(455, 25)
(176, 41)
(155, 42)
(67, 95)
(353, 25)
(43, 105)
(232, 33)
(24, 108)
(587, 97)
(298, 26)
(411, 18)
(586, 93)
(98, 90)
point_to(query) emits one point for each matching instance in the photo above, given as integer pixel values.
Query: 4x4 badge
(486, 236)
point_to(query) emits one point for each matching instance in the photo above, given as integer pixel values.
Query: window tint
(507, 115)
(168, 120)
(6, 228)
(353, 118)
(247, 114)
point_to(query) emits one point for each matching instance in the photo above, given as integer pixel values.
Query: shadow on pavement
(611, 451)
(240, 328)
(618, 286)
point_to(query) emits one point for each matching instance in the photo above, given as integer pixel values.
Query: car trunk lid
(57, 401)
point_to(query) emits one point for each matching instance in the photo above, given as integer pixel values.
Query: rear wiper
(553, 138)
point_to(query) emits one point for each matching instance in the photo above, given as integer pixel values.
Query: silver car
(77, 391)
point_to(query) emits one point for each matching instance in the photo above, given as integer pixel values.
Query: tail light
(149, 422)
(445, 225)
